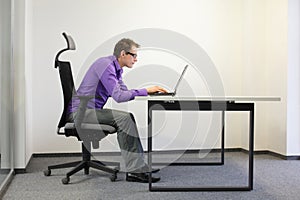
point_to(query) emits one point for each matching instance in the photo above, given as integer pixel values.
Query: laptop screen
(180, 78)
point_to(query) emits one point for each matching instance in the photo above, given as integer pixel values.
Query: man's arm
(117, 89)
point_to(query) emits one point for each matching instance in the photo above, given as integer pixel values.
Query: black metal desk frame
(200, 105)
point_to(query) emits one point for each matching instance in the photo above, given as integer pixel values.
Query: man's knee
(128, 116)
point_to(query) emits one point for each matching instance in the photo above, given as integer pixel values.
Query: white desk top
(227, 98)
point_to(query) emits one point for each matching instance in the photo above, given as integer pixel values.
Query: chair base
(85, 164)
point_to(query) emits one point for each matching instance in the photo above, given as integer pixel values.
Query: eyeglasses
(132, 54)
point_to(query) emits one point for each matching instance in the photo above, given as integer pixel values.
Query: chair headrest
(70, 46)
(70, 42)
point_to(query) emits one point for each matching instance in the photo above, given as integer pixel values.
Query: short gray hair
(124, 44)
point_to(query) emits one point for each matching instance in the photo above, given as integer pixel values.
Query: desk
(224, 104)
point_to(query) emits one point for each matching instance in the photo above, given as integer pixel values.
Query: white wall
(19, 80)
(92, 24)
(265, 68)
(277, 62)
(29, 57)
(5, 84)
(293, 91)
(253, 67)
(241, 38)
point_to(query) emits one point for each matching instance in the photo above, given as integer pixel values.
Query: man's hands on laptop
(156, 89)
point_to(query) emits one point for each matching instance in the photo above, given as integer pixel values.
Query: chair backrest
(66, 79)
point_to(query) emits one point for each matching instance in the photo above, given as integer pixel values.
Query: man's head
(126, 52)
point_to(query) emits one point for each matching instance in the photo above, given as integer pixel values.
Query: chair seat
(95, 131)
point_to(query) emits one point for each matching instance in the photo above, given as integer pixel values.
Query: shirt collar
(117, 65)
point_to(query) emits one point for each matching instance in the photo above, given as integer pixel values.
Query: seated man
(104, 79)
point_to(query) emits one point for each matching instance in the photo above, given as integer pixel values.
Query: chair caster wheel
(47, 172)
(113, 177)
(65, 180)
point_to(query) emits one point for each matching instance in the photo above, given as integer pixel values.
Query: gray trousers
(127, 134)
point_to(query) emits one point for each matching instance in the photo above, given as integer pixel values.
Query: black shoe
(155, 170)
(140, 177)
(146, 169)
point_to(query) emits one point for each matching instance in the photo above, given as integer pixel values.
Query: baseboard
(20, 170)
(282, 156)
(259, 152)
(49, 155)
(78, 154)
(6, 183)
(4, 171)
(73, 154)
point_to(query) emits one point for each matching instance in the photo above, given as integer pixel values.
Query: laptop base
(163, 94)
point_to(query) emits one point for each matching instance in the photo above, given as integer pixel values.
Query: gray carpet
(274, 179)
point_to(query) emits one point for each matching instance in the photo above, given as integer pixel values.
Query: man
(104, 79)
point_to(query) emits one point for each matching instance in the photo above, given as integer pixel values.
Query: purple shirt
(104, 79)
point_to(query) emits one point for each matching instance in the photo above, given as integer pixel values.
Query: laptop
(176, 86)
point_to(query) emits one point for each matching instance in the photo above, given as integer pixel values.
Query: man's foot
(155, 170)
(140, 177)
(146, 169)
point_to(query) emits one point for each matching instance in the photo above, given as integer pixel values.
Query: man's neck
(120, 63)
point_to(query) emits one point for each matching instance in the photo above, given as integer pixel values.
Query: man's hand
(156, 89)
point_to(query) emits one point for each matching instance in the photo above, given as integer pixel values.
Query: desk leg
(251, 146)
(223, 138)
(233, 107)
(150, 146)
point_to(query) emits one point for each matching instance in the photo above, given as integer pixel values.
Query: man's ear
(122, 53)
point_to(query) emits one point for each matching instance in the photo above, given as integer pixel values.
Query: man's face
(129, 58)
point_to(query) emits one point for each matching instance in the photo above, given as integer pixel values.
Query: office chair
(88, 134)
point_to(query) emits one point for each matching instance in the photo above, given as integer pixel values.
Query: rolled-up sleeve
(138, 92)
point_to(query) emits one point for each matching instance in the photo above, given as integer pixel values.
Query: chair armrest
(82, 109)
